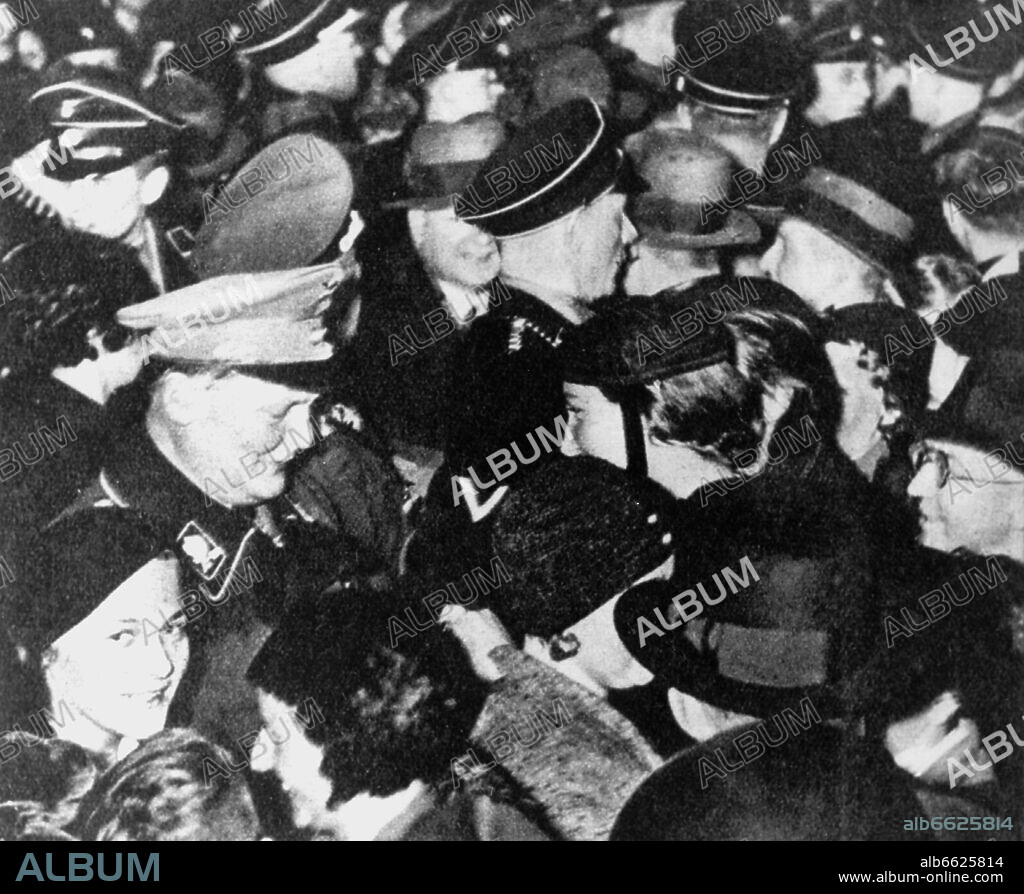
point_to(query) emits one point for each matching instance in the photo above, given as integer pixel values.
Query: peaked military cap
(558, 162)
(304, 201)
(761, 67)
(269, 324)
(913, 26)
(289, 29)
(98, 118)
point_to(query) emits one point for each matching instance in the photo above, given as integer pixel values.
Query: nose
(629, 232)
(161, 655)
(570, 447)
(262, 758)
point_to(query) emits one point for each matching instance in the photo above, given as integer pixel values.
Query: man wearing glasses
(969, 467)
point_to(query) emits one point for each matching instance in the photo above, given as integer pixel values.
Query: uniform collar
(545, 320)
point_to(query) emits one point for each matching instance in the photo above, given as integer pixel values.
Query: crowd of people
(538, 420)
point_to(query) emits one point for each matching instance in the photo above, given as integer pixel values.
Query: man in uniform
(103, 168)
(548, 195)
(236, 364)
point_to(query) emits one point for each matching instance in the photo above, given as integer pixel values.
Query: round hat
(71, 567)
(854, 214)
(558, 162)
(684, 172)
(572, 536)
(443, 158)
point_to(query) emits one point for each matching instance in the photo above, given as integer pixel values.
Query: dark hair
(970, 164)
(720, 408)
(173, 787)
(41, 790)
(56, 294)
(390, 715)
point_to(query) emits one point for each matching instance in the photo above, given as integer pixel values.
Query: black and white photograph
(545, 420)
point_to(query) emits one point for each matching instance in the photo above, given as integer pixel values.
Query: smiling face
(235, 435)
(453, 250)
(120, 667)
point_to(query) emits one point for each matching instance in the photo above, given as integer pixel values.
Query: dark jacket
(52, 441)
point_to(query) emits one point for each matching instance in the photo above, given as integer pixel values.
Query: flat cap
(99, 118)
(266, 320)
(559, 161)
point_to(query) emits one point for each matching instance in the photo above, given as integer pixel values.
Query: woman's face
(120, 667)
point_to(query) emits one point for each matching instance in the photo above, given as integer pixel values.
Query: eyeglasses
(947, 470)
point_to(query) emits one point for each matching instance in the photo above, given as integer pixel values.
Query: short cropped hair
(174, 787)
(973, 165)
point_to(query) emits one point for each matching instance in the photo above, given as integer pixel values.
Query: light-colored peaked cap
(251, 319)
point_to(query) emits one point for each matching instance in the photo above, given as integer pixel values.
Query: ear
(779, 126)
(153, 185)
(183, 397)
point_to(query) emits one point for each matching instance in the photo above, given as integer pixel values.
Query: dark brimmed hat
(760, 71)
(98, 119)
(443, 159)
(74, 26)
(558, 162)
(71, 567)
(285, 36)
(842, 34)
(603, 351)
(814, 784)
(574, 535)
(790, 633)
(855, 215)
(875, 325)
(432, 49)
(280, 211)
